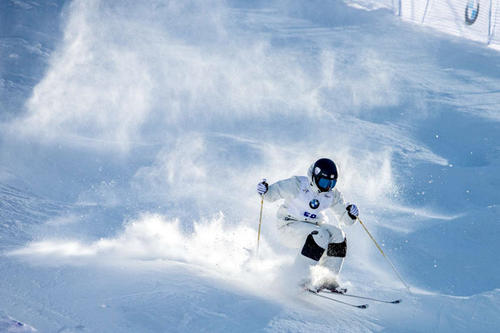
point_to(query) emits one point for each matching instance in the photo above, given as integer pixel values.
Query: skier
(303, 225)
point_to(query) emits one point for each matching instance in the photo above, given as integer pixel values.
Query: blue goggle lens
(326, 184)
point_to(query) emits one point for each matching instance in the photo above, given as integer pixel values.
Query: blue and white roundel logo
(471, 11)
(314, 203)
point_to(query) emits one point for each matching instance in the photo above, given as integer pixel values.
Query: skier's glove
(262, 187)
(353, 211)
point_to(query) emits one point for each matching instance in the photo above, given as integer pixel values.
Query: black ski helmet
(324, 174)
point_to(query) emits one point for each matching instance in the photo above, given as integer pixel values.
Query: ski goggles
(326, 184)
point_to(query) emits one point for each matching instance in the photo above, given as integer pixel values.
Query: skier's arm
(339, 206)
(282, 189)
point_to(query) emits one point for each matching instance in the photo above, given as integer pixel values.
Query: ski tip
(397, 301)
(362, 306)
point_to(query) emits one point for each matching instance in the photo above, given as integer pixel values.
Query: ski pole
(260, 221)
(386, 257)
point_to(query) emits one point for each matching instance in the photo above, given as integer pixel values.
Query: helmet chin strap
(314, 186)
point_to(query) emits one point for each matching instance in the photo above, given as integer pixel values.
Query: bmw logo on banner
(471, 11)
(314, 203)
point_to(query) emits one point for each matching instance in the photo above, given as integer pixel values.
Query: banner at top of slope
(471, 19)
(495, 25)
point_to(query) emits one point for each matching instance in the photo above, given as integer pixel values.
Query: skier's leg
(325, 273)
(310, 240)
(294, 233)
(333, 258)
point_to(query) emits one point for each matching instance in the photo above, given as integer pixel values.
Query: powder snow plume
(224, 250)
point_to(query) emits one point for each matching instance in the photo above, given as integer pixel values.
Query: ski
(397, 301)
(361, 306)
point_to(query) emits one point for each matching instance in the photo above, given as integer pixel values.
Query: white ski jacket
(303, 202)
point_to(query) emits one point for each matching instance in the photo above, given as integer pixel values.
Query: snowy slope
(133, 135)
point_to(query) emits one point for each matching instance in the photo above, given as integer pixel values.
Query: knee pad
(311, 248)
(337, 249)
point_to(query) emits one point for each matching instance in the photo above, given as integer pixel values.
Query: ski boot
(331, 286)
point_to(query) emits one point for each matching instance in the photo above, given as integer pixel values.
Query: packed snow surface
(133, 134)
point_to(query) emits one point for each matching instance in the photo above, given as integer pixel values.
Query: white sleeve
(283, 189)
(339, 208)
